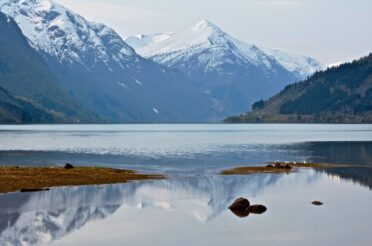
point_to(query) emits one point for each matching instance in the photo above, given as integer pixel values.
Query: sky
(331, 31)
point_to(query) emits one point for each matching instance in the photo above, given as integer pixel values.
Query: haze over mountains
(85, 72)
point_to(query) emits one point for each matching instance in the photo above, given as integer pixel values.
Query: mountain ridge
(152, 48)
(103, 73)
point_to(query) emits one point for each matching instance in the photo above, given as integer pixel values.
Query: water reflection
(36, 218)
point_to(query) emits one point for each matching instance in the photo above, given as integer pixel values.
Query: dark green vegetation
(338, 95)
(29, 92)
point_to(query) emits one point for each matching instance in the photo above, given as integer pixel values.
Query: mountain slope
(340, 94)
(300, 66)
(24, 74)
(101, 72)
(14, 110)
(233, 74)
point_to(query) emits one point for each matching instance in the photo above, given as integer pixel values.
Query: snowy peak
(205, 35)
(58, 32)
(213, 47)
(204, 25)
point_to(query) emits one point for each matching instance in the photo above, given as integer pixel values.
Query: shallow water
(190, 208)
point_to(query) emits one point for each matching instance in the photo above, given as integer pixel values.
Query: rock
(270, 166)
(241, 213)
(33, 190)
(317, 203)
(69, 166)
(287, 166)
(257, 209)
(240, 204)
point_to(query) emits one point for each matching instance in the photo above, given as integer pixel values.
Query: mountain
(232, 73)
(300, 66)
(26, 83)
(340, 94)
(101, 72)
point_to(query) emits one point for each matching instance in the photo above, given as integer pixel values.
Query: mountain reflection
(40, 218)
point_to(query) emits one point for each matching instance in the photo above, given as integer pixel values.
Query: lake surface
(190, 207)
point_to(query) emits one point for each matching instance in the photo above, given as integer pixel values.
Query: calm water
(190, 208)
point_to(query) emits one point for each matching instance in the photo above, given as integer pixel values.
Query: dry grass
(277, 170)
(254, 170)
(33, 178)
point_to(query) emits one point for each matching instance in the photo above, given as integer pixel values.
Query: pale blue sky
(329, 30)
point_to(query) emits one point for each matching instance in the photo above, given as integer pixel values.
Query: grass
(38, 178)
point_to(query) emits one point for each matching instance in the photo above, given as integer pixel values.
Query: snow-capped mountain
(101, 71)
(206, 34)
(301, 66)
(232, 73)
(60, 33)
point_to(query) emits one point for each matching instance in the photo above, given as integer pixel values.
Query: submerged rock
(317, 203)
(257, 209)
(240, 204)
(69, 166)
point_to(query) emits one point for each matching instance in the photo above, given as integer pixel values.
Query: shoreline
(32, 179)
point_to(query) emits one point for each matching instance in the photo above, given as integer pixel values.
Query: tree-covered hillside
(340, 94)
(15, 111)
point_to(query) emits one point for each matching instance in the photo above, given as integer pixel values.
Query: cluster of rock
(241, 207)
(317, 203)
(279, 165)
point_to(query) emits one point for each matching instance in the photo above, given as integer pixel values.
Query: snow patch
(123, 85)
(138, 82)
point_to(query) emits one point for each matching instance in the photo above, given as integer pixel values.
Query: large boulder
(240, 204)
(69, 166)
(241, 213)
